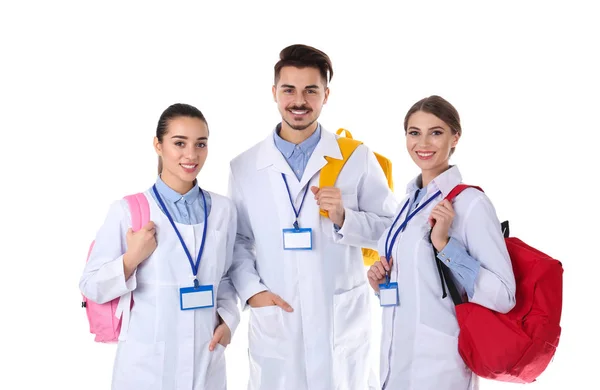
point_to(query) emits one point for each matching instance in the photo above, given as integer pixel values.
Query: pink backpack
(105, 320)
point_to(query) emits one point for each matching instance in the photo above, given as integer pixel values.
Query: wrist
(441, 244)
(130, 260)
(340, 221)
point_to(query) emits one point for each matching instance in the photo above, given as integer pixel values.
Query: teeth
(188, 166)
(425, 154)
(299, 112)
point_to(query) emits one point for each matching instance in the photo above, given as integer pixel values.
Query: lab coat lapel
(327, 146)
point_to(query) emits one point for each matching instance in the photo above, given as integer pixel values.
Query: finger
(282, 304)
(331, 192)
(149, 225)
(385, 263)
(372, 276)
(315, 190)
(375, 272)
(441, 214)
(129, 233)
(328, 205)
(216, 338)
(379, 270)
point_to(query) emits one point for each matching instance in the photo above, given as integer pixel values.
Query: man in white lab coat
(302, 274)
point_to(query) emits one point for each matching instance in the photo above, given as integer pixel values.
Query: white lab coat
(419, 345)
(161, 346)
(323, 344)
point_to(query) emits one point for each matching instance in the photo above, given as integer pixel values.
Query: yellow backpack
(330, 172)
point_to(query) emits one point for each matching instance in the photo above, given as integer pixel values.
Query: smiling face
(429, 141)
(183, 149)
(300, 94)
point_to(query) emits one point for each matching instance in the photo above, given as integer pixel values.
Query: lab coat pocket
(266, 333)
(438, 351)
(351, 319)
(216, 375)
(139, 365)
(351, 335)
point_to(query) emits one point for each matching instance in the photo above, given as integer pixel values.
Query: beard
(299, 127)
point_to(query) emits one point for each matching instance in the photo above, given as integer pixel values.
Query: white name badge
(388, 294)
(200, 297)
(297, 239)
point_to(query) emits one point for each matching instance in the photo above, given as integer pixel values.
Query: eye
(288, 90)
(202, 145)
(180, 144)
(437, 132)
(413, 133)
(311, 91)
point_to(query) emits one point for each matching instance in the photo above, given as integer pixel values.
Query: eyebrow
(313, 86)
(184, 137)
(431, 128)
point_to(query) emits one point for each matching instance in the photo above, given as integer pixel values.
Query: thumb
(216, 338)
(431, 221)
(314, 189)
(129, 233)
(282, 304)
(149, 225)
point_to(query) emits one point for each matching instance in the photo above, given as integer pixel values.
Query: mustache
(300, 108)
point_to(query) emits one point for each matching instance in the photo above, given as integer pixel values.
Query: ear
(455, 140)
(157, 146)
(326, 95)
(274, 90)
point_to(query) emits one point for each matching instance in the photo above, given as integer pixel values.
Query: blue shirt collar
(173, 196)
(287, 148)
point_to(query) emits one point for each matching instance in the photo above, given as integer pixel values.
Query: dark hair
(439, 107)
(303, 56)
(174, 111)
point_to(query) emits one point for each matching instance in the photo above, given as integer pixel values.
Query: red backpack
(516, 346)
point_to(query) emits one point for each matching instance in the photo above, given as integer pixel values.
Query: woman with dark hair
(175, 267)
(419, 346)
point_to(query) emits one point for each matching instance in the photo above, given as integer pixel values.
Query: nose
(299, 99)
(424, 141)
(191, 152)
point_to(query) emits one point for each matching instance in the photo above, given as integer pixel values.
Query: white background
(82, 85)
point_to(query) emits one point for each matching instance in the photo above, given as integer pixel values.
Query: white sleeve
(227, 302)
(243, 271)
(495, 285)
(103, 277)
(376, 207)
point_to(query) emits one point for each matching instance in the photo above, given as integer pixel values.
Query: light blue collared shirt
(464, 267)
(297, 156)
(187, 209)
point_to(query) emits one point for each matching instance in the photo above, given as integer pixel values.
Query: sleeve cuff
(249, 292)
(232, 321)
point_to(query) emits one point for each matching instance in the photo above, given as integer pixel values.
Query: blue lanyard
(297, 213)
(196, 266)
(389, 245)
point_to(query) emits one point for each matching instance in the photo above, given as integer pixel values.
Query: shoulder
(244, 158)
(221, 202)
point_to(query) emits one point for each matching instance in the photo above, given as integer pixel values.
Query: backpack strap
(443, 271)
(330, 172)
(140, 216)
(140, 210)
(341, 130)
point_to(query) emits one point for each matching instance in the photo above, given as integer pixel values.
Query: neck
(176, 184)
(296, 136)
(428, 175)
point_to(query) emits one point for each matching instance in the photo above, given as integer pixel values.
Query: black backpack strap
(445, 277)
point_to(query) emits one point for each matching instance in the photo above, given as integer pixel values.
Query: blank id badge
(388, 294)
(297, 239)
(197, 297)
